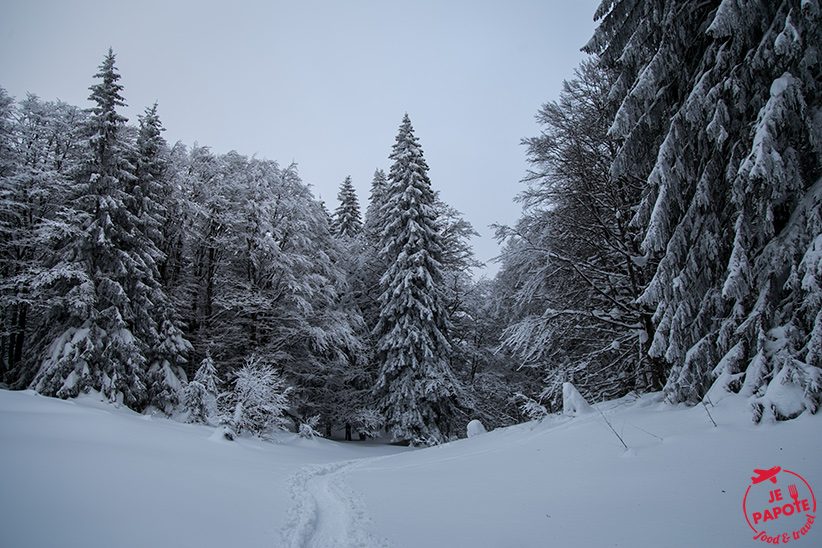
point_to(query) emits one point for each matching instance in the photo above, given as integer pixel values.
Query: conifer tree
(104, 273)
(371, 225)
(151, 193)
(716, 114)
(152, 164)
(347, 222)
(416, 387)
(199, 397)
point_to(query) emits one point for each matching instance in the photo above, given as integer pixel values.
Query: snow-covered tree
(347, 222)
(717, 111)
(372, 225)
(104, 274)
(576, 256)
(257, 400)
(416, 387)
(40, 147)
(8, 161)
(151, 169)
(199, 397)
(366, 273)
(262, 274)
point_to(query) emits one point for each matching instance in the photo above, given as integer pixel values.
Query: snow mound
(475, 428)
(573, 403)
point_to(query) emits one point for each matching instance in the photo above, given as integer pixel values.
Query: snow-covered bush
(256, 401)
(530, 407)
(308, 428)
(368, 423)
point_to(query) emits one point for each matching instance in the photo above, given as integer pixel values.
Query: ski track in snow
(325, 512)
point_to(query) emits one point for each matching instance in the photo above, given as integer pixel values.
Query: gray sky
(321, 83)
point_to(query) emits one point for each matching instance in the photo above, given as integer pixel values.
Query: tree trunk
(21, 331)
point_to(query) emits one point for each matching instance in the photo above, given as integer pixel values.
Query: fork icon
(794, 493)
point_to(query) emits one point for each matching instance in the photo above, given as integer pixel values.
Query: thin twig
(709, 413)
(612, 428)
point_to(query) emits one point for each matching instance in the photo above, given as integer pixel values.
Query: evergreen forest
(670, 241)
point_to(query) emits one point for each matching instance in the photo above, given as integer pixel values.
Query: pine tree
(152, 164)
(105, 275)
(347, 222)
(416, 388)
(199, 397)
(716, 106)
(372, 224)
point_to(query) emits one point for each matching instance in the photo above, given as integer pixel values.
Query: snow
(84, 473)
(779, 85)
(475, 428)
(572, 401)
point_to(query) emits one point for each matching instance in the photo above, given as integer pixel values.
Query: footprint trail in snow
(325, 512)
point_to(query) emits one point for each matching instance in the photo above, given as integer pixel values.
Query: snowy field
(86, 474)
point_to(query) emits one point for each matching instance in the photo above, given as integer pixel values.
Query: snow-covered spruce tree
(199, 397)
(168, 359)
(372, 222)
(103, 275)
(369, 268)
(359, 259)
(415, 387)
(347, 222)
(256, 402)
(151, 169)
(718, 111)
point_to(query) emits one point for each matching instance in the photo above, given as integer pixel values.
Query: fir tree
(199, 397)
(372, 222)
(105, 273)
(416, 388)
(152, 164)
(716, 106)
(370, 267)
(151, 193)
(347, 222)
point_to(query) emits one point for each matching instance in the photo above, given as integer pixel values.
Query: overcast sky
(321, 83)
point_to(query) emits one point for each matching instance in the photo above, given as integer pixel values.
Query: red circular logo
(779, 505)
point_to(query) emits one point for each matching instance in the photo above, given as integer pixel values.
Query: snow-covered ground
(85, 474)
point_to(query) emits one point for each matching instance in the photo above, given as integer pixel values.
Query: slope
(83, 473)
